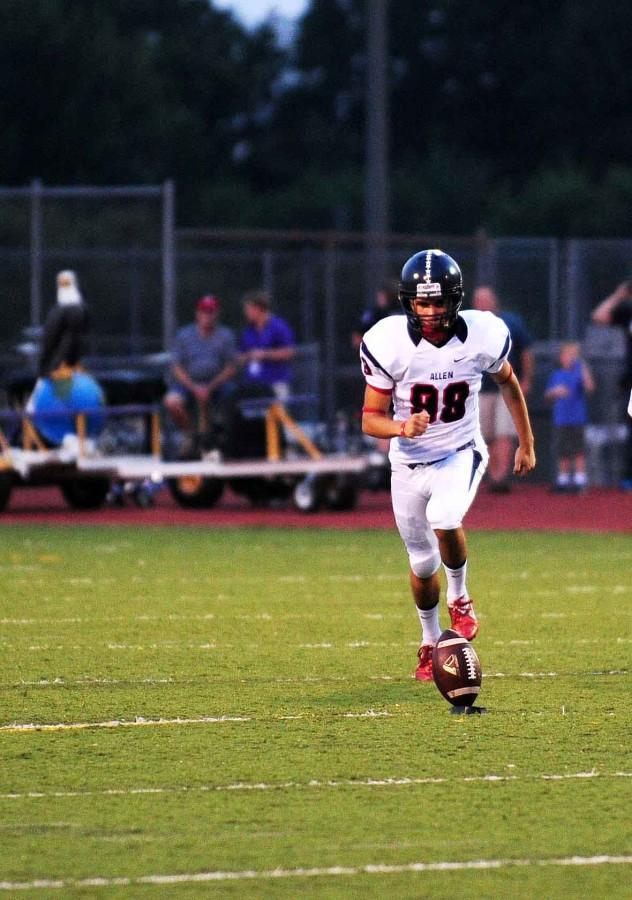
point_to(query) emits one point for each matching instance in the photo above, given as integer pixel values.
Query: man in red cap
(203, 361)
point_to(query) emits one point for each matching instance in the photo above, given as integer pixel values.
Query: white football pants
(435, 496)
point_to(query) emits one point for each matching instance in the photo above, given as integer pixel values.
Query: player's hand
(524, 461)
(417, 424)
(201, 393)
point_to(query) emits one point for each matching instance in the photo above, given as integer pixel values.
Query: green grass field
(239, 703)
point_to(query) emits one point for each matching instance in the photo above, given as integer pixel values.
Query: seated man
(203, 363)
(266, 346)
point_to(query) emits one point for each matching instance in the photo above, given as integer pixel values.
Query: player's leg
(502, 448)
(454, 485)
(578, 452)
(409, 499)
(566, 451)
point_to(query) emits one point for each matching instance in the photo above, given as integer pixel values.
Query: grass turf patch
(305, 742)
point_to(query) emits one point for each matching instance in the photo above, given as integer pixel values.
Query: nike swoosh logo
(458, 358)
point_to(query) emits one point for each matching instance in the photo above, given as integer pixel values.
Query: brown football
(456, 669)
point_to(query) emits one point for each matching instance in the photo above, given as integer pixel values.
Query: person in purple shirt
(266, 346)
(566, 390)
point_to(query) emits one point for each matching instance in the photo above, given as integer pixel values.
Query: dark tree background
(510, 117)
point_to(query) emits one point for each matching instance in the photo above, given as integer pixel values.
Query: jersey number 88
(426, 397)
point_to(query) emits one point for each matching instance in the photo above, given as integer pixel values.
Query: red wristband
(402, 430)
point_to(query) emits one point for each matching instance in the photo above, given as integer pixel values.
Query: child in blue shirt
(567, 389)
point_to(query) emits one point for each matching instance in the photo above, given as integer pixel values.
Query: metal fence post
(376, 189)
(169, 320)
(554, 289)
(329, 356)
(36, 251)
(486, 252)
(267, 269)
(573, 273)
(308, 295)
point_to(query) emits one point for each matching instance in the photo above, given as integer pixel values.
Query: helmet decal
(429, 290)
(428, 276)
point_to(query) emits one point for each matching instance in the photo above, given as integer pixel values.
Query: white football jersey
(444, 381)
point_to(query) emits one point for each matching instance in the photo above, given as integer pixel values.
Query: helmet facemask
(430, 324)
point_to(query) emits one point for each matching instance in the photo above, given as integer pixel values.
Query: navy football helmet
(431, 275)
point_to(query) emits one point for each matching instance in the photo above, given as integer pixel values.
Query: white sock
(456, 583)
(580, 479)
(563, 479)
(430, 627)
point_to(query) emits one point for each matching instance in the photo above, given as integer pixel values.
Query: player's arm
(528, 368)
(587, 378)
(378, 422)
(182, 376)
(272, 354)
(603, 313)
(226, 374)
(513, 397)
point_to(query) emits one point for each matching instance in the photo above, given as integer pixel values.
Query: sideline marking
(331, 871)
(313, 783)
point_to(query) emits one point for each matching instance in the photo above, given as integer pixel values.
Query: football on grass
(456, 669)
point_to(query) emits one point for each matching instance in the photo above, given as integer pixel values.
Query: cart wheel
(308, 494)
(196, 492)
(6, 484)
(85, 493)
(143, 496)
(341, 494)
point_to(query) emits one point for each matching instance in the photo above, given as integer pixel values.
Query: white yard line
(326, 872)
(307, 679)
(137, 722)
(140, 721)
(314, 783)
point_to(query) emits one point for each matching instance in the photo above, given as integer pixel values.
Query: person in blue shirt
(566, 389)
(203, 363)
(266, 346)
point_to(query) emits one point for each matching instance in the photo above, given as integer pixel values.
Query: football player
(427, 366)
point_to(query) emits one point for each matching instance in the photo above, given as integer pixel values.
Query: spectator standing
(203, 362)
(567, 389)
(616, 309)
(266, 346)
(496, 424)
(386, 303)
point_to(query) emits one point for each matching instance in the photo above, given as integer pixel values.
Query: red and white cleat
(423, 672)
(463, 618)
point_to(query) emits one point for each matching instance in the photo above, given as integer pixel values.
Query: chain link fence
(142, 277)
